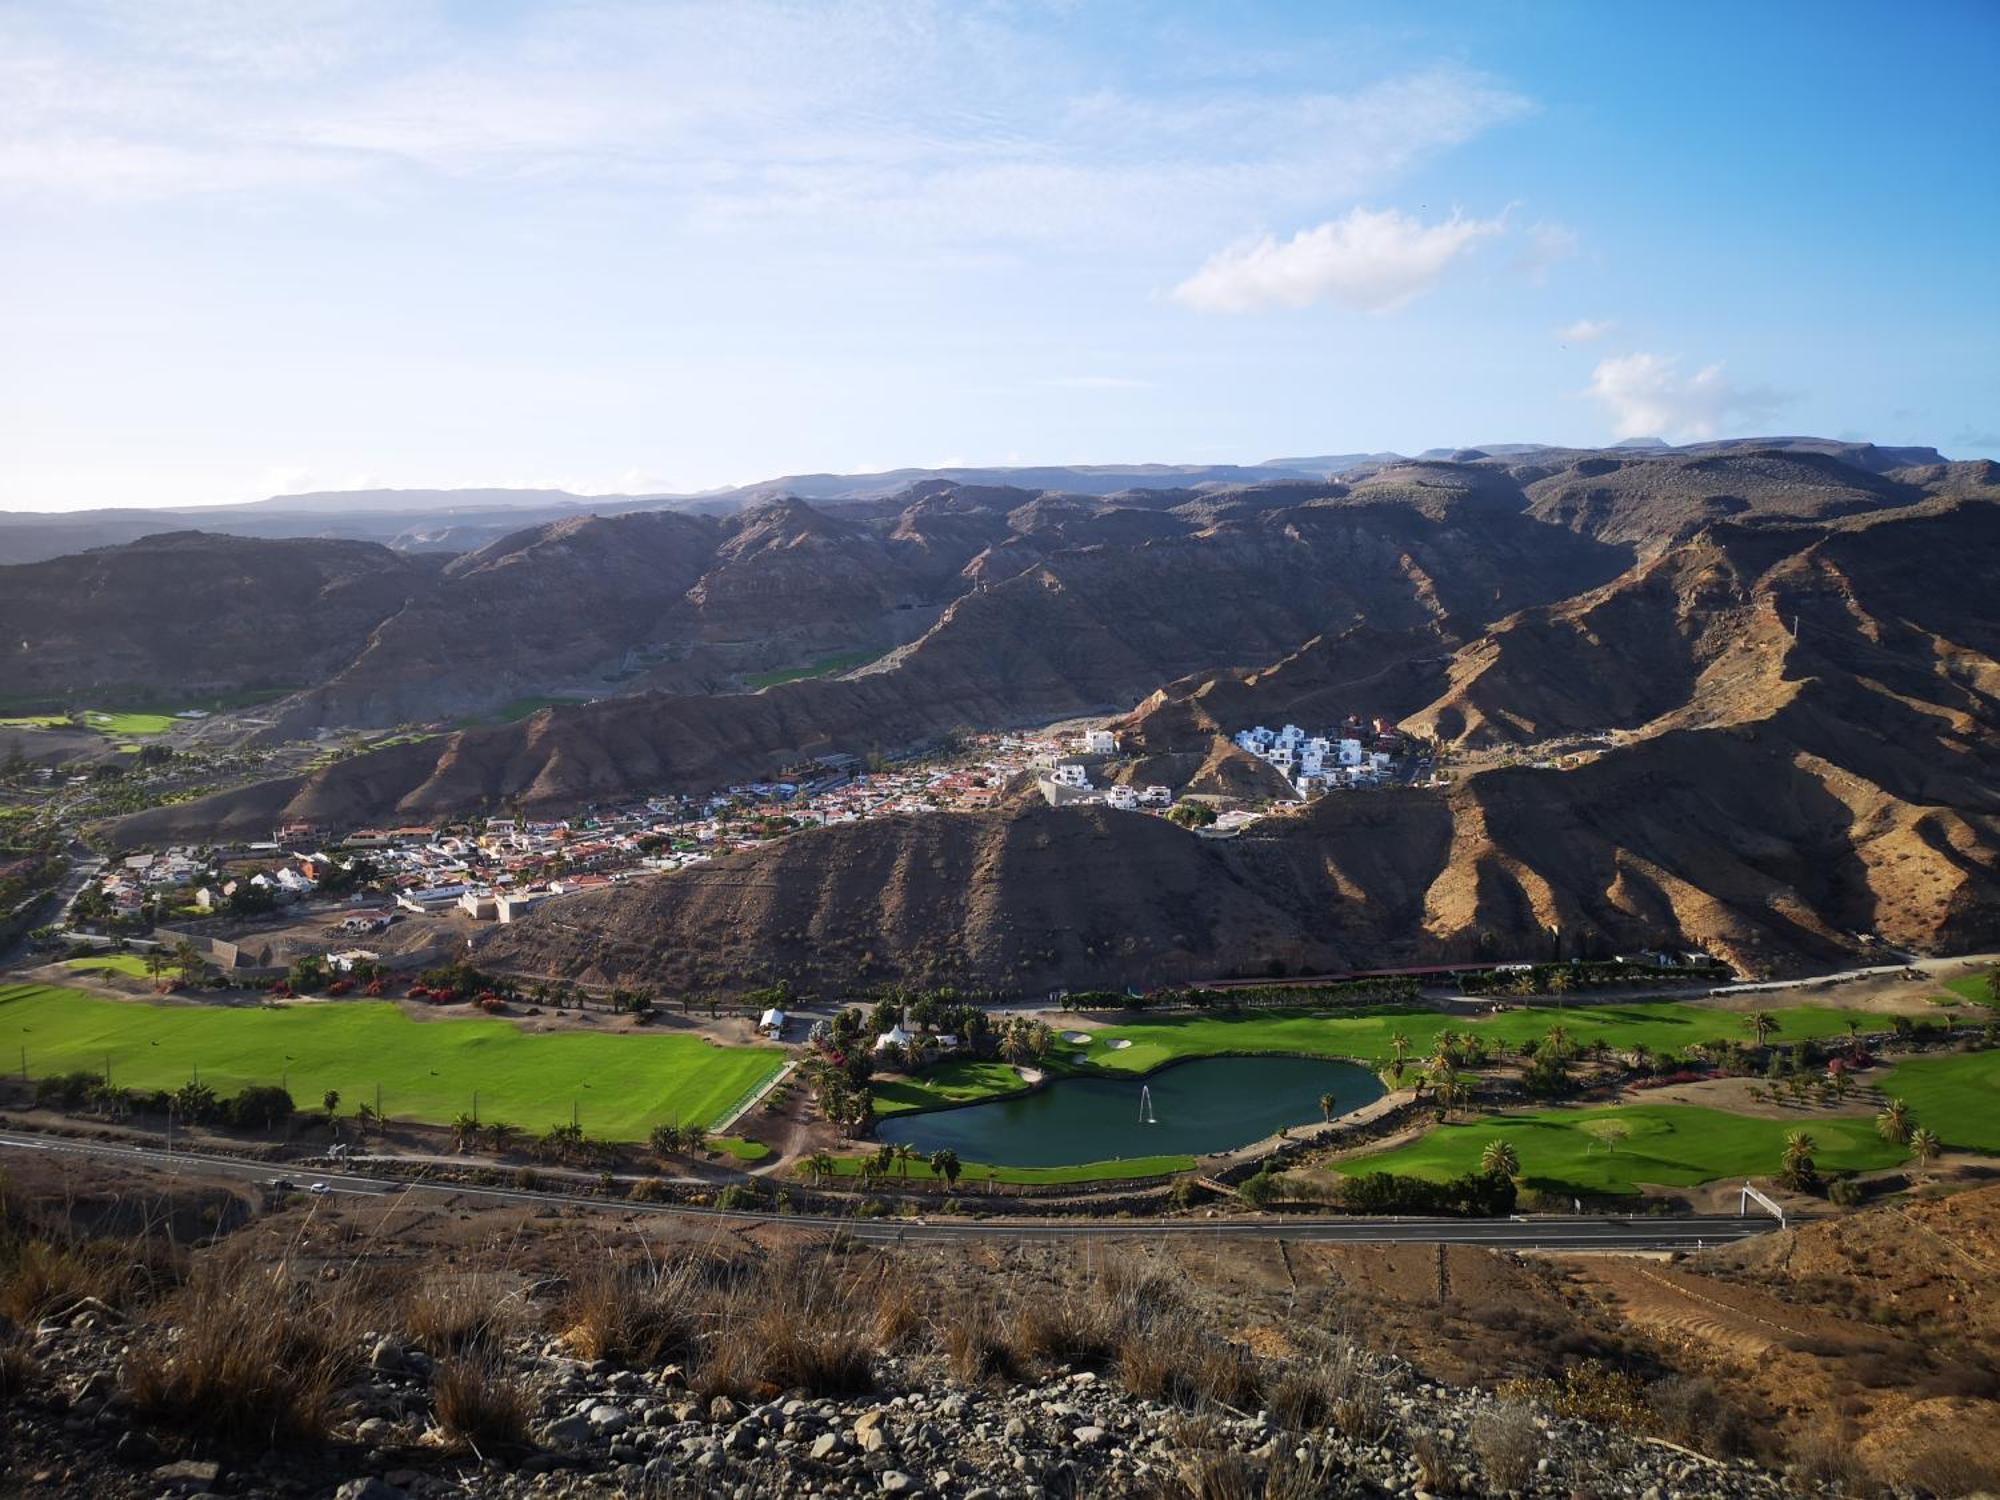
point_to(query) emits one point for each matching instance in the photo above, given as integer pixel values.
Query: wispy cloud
(1541, 248)
(1099, 383)
(735, 117)
(1646, 395)
(1371, 260)
(1584, 331)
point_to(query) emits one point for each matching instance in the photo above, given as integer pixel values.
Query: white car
(320, 1189)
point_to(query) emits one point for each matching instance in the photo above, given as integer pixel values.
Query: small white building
(1156, 796)
(772, 1022)
(1350, 752)
(895, 1036)
(1122, 797)
(1071, 773)
(1100, 742)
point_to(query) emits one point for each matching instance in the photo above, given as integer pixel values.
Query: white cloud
(1584, 331)
(737, 116)
(1647, 396)
(1542, 247)
(1372, 260)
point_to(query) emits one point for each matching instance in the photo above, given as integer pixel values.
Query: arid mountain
(190, 614)
(1770, 680)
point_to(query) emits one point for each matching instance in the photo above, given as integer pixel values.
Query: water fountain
(1146, 1105)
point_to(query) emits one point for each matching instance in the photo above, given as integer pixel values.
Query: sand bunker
(1120, 1045)
(1077, 1038)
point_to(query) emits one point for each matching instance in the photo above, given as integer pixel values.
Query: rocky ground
(601, 1430)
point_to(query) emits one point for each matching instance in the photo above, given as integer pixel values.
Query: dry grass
(480, 1404)
(1508, 1442)
(1178, 1360)
(250, 1357)
(1072, 1330)
(17, 1371)
(639, 1313)
(974, 1346)
(1234, 1476)
(1434, 1463)
(789, 1329)
(899, 1315)
(449, 1313)
(40, 1276)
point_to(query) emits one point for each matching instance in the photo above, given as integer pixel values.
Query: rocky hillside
(188, 614)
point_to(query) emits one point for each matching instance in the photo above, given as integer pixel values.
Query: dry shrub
(1065, 1330)
(1177, 1360)
(248, 1357)
(1434, 1463)
(1825, 1456)
(39, 1276)
(1950, 1466)
(17, 1371)
(791, 1329)
(480, 1403)
(1235, 1476)
(899, 1315)
(975, 1348)
(449, 1314)
(1507, 1441)
(1692, 1410)
(634, 1314)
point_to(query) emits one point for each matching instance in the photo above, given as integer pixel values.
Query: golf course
(620, 1084)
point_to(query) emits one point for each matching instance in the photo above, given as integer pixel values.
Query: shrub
(1693, 1411)
(1507, 1441)
(451, 1313)
(974, 1347)
(480, 1403)
(639, 1314)
(255, 1361)
(1064, 1330)
(1475, 1195)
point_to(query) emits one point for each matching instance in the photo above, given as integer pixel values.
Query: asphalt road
(1586, 1232)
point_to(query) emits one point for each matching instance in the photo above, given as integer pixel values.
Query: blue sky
(249, 247)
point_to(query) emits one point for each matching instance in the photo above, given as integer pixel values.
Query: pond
(1207, 1105)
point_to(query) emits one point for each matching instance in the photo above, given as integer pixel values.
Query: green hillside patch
(826, 666)
(1957, 1096)
(1616, 1148)
(1971, 989)
(620, 1084)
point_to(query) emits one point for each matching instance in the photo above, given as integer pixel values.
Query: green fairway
(1957, 1096)
(35, 721)
(1663, 1026)
(1973, 989)
(621, 1085)
(1672, 1145)
(1089, 1171)
(127, 724)
(961, 1082)
(109, 963)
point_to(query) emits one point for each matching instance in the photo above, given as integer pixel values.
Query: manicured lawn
(826, 666)
(1663, 1026)
(620, 1084)
(127, 724)
(747, 1152)
(34, 721)
(1089, 1171)
(109, 963)
(1674, 1145)
(1957, 1096)
(1974, 989)
(960, 1082)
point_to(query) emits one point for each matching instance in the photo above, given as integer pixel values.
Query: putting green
(110, 963)
(620, 1084)
(963, 1081)
(1616, 1148)
(115, 724)
(1957, 1096)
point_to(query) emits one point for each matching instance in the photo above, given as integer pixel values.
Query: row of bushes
(258, 1107)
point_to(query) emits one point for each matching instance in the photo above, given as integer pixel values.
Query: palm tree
(1763, 1024)
(1842, 1084)
(1450, 1087)
(1326, 1104)
(905, 1154)
(819, 1166)
(1557, 1040)
(464, 1132)
(500, 1136)
(156, 965)
(944, 1164)
(1399, 1044)
(330, 1100)
(1800, 1169)
(189, 958)
(1499, 1159)
(1853, 1037)
(1893, 1123)
(1925, 1145)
